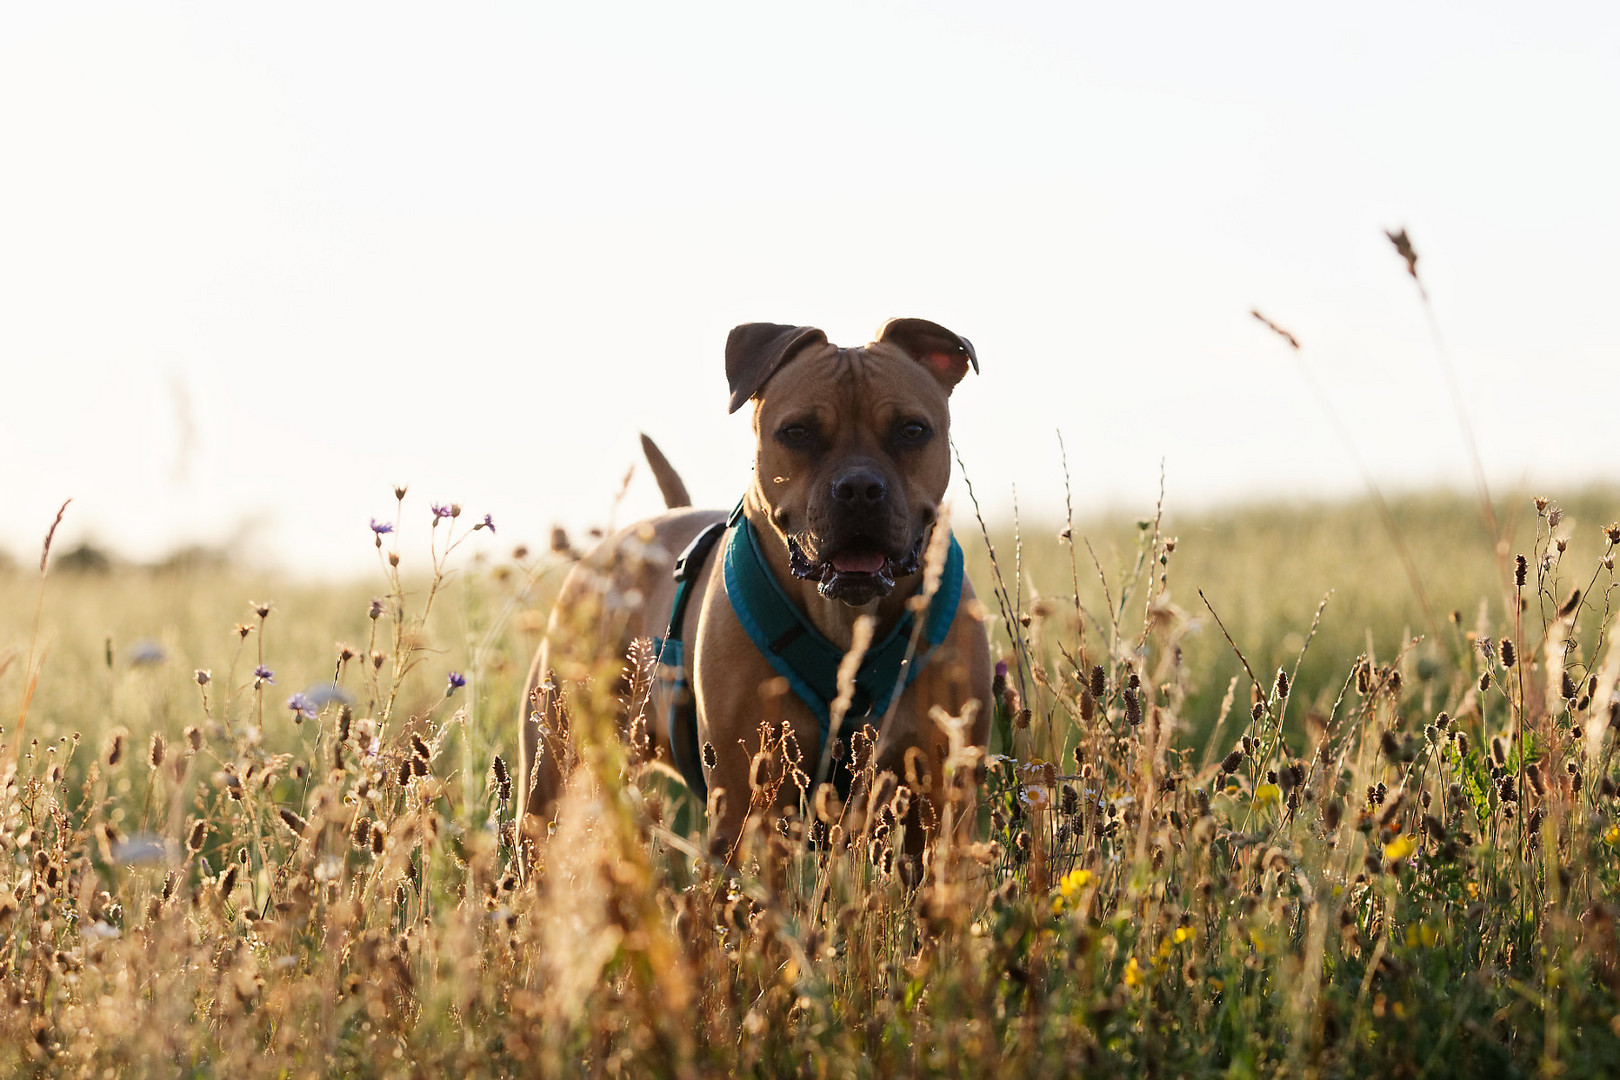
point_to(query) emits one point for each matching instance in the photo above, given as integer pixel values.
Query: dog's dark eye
(795, 436)
(912, 433)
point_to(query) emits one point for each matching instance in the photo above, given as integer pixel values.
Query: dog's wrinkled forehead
(756, 351)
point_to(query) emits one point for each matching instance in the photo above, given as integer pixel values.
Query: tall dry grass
(1397, 853)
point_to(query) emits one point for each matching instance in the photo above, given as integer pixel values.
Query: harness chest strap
(793, 647)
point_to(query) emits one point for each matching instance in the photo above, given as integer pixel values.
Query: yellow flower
(1429, 934)
(1266, 794)
(1399, 848)
(1133, 972)
(1073, 882)
(1184, 934)
(1612, 835)
(1473, 890)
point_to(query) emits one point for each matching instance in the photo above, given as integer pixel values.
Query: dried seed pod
(1573, 601)
(1332, 814)
(1508, 656)
(1099, 681)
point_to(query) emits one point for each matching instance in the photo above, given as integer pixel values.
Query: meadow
(1280, 790)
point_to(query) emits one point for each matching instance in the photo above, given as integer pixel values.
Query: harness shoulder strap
(684, 751)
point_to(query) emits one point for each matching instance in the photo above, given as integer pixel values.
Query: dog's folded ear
(755, 351)
(947, 355)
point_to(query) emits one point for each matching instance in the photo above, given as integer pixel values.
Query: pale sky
(259, 264)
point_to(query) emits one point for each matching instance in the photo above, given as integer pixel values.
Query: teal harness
(794, 648)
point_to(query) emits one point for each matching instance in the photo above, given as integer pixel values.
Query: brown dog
(852, 458)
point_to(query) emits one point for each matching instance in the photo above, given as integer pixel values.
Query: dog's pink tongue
(858, 562)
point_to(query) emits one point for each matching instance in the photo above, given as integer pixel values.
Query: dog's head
(852, 449)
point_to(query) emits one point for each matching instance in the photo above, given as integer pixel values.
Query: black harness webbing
(671, 653)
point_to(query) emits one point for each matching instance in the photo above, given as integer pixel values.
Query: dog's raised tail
(669, 482)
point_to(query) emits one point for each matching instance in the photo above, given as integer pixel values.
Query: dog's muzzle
(857, 572)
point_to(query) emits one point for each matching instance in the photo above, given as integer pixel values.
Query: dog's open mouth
(858, 571)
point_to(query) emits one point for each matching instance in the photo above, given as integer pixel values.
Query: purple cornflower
(456, 682)
(439, 511)
(303, 708)
(487, 523)
(381, 528)
(261, 675)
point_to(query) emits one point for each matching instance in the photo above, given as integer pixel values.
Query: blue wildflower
(146, 653)
(381, 528)
(303, 708)
(457, 681)
(262, 674)
(487, 523)
(326, 693)
(439, 511)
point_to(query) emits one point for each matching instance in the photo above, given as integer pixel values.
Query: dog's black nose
(859, 487)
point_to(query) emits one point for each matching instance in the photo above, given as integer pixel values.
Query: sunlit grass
(1397, 853)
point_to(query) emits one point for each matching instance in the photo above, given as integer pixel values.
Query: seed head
(1099, 681)
(708, 754)
(1508, 656)
(1573, 601)
(1389, 744)
(1231, 762)
(202, 675)
(115, 752)
(154, 753)
(1521, 569)
(1282, 683)
(293, 822)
